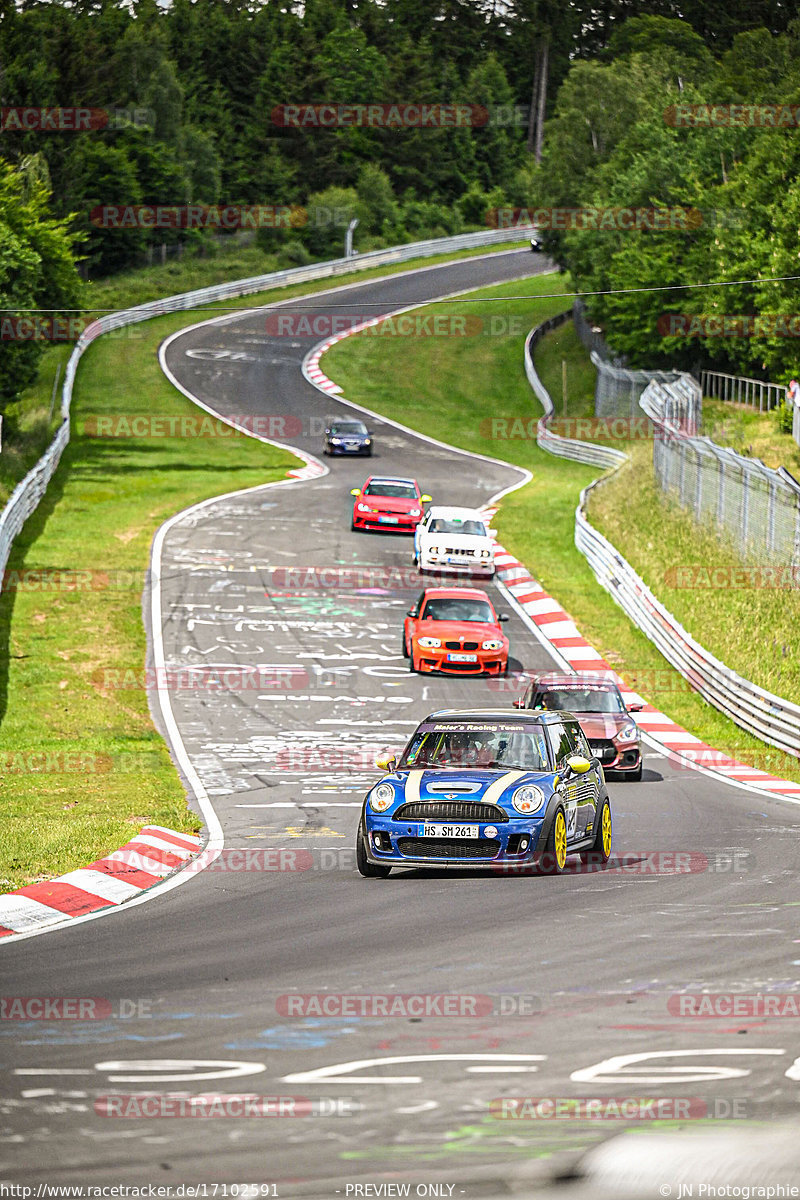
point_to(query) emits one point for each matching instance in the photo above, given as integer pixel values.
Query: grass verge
(458, 390)
(749, 432)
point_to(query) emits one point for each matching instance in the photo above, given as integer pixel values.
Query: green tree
(37, 271)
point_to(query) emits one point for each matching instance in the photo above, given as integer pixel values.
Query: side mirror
(355, 491)
(579, 765)
(502, 616)
(492, 532)
(635, 707)
(519, 702)
(386, 764)
(411, 613)
(425, 499)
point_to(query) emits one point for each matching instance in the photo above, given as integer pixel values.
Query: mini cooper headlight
(362, 507)
(381, 797)
(527, 799)
(429, 643)
(492, 644)
(628, 733)
(415, 512)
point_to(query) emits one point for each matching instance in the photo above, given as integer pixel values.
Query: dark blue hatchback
(485, 789)
(347, 437)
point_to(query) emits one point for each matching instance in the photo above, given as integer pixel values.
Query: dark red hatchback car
(597, 703)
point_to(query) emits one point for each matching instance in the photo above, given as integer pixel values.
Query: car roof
(390, 479)
(581, 679)
(434, 593)
(452, 510)
(522, 716)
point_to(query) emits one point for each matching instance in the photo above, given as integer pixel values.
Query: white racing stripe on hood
(413, 785)
(496, 789)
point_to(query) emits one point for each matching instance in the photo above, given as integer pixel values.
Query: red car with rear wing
(388, 504)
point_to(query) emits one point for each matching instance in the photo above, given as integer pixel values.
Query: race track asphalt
(273, 585)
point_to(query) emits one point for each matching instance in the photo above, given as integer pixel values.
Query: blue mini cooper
(486, 789)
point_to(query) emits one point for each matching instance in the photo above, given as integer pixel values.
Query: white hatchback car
(453, 539)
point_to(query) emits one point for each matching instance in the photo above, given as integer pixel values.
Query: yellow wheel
(600, 851)
(554, 858)
(605, 830)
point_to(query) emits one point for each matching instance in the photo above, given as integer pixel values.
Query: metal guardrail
(757, 506)
(738, 389)
(29, 491)
(765, 715)
(617, 388)
(676, 408)
(584, 452)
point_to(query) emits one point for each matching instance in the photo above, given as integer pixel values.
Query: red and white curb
(312, 369)
(139, 864)
(557, 629)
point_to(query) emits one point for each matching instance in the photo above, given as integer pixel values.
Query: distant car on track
(456, 631)
(597, 703)
(453, 539)
(347, 437)
(387, 503)
(489, 789)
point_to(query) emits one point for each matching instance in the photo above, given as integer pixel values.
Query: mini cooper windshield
(439, 747)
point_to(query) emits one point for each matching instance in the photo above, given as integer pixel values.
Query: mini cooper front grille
(450, 810)
(461, 645)
(448, 848)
